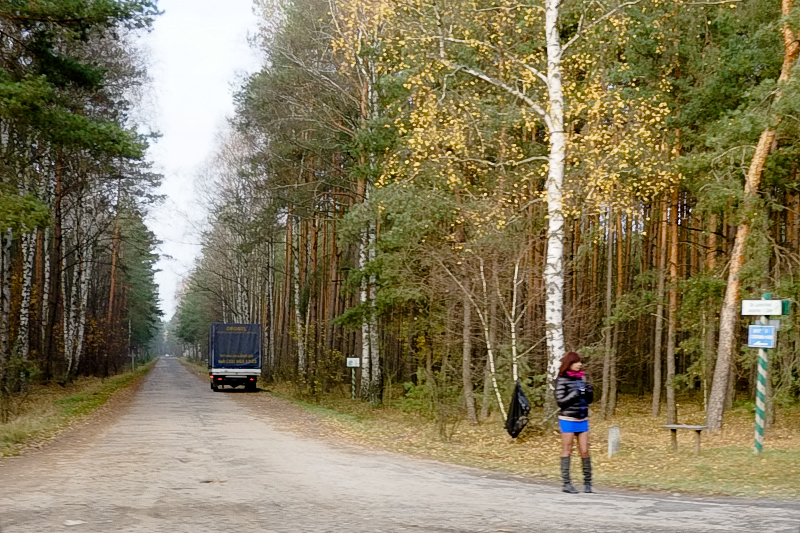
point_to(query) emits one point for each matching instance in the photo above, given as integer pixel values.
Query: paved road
(174, 460)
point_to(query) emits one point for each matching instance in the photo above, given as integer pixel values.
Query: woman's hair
(567, 361)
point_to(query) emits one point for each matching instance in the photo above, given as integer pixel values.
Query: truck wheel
(250, 386)
(214, 387)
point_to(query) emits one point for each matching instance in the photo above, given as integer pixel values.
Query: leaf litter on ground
(725, 466)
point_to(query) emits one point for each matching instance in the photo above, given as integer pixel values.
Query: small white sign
(762, 307)
(353, 362)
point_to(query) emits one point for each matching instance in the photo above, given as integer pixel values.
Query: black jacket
(573, 402)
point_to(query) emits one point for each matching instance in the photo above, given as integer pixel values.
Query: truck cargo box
(234, 354)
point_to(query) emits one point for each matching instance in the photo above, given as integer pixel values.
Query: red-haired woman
(573, 396)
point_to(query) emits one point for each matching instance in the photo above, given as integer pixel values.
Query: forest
(458, 192)
(77, 262)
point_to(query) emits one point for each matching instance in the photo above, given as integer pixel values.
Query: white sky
(198, 51)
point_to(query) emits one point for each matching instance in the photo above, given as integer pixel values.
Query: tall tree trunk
(6, 238)
(489, 382)
(366, 337)
(114, 253)
(607, 329)
(729, 316)
(662, 273)
(45, 300)
(28, 258)
(466, 362)
(612, 371)
(300, 329)
(376, 377)
(710, 318)
(83, 303)
(68, 297)
(554, 265)
(672, 317)
(271, 307)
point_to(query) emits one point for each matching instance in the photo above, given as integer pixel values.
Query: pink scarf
(579, 374)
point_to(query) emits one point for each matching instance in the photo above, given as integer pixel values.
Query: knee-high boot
(565, 476)
(587, 473)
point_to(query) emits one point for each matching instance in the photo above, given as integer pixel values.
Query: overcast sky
(198, 51)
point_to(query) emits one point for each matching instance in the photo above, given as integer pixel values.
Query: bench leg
(697, 442)
(674, 439)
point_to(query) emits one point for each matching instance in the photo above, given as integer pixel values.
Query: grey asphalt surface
(181, 458)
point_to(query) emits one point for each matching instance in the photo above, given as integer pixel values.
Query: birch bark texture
(729, 314)
(554, 264)
(28, 255)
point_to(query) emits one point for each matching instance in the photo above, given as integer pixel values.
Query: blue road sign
(761, 336)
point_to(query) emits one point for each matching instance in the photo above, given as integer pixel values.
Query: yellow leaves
(617, 153)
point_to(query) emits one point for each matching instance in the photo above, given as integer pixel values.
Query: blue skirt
(570, 426)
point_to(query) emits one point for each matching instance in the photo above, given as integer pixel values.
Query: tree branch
(582, 31)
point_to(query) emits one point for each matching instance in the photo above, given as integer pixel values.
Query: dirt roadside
(178, 457)
(314, 422)
(86, 428)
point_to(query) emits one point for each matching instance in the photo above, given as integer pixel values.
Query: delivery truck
(234, 355)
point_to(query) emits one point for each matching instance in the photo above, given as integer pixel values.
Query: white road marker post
(352, 364)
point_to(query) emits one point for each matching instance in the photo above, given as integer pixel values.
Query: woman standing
(573, 396)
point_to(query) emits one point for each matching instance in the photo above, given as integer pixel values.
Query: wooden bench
(674, 437)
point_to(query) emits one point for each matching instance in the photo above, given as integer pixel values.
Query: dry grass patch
(50, 409)
(199, 367)
(726, 465)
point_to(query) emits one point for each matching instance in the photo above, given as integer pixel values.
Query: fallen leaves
(645, 460)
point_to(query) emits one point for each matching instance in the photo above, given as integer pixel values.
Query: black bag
(517, 412)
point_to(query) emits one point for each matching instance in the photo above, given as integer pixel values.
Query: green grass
(51, 409)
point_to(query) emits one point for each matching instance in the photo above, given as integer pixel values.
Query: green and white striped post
(763, 338)
(761, 394)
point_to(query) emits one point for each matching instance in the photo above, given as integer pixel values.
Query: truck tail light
(219, 379)
(252, 379)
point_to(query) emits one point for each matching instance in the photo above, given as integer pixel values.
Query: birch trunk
(44, 315)
(70, 299)
(300, 329)
(366, 337)
(729, 315)
(376, 378)
(83, 301)
(67, 299)
(554, 265)
(28, 257)
(485, 327)
(487, 378)
(513, 320)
